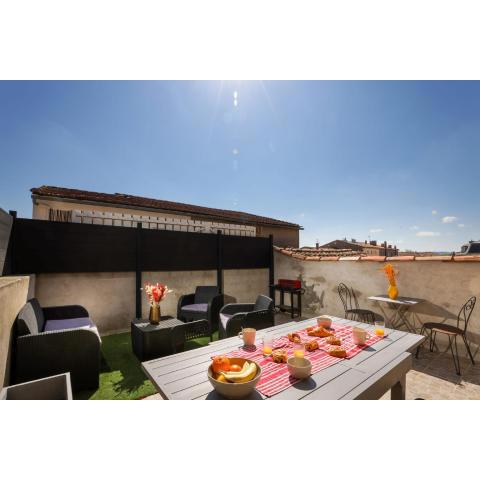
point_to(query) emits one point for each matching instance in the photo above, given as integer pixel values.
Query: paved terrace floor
(432, 377)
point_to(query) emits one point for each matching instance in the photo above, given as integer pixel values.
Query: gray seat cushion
(263, 303)
(195, 307)
(205, 294)
(69, 323)
(30, 318)
(224, 318)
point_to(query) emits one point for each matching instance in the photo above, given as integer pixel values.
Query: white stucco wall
(445, 287)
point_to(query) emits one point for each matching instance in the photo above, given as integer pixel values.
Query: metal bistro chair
(180, 334)
(436, 327)
(351, 307)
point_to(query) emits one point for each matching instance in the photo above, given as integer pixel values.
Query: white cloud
(414, 227)
(449, 219)
(302, 215)
(434, 212)
(428, 234)
(461, 225)
(376, 230)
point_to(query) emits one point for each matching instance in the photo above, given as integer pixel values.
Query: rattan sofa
(54, 340)
(235, 316)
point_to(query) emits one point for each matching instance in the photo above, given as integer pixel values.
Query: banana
(246, 374)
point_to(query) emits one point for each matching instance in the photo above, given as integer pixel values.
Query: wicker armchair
(54, 340)
(204, 304)
(235, 316)
(189, 331)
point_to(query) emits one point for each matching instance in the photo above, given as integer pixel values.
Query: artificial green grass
(121, 375)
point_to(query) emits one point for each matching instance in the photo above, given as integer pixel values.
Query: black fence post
(271, 270)
(138, 272)
(219, 261)
(9, 266)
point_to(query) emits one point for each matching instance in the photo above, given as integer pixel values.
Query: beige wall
(42, 206)
(14, 292)
(444, 286)
(245, 285)
(282, 237)
(110, 297)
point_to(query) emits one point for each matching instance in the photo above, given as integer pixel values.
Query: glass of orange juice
(298, 350)
(380, 328)
(267, 343)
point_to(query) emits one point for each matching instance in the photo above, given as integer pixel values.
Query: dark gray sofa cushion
(205, 294)
(263, 303)
(30, 318)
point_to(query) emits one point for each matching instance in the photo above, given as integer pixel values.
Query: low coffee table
(152, 341)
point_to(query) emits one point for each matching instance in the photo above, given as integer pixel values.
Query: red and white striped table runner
(275, 376)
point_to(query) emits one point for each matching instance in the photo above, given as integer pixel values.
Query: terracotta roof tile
(400, 258)
(466, 258)
(121, 199)
(438, 258)
(333, 255)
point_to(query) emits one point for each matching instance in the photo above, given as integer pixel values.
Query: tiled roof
(350, 255)
(121, 199)
(318, 253)
(361, 244)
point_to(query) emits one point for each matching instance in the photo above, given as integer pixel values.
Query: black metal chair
(189, 331)
(204, 304)
(452, 332)
(351, 307)
(235, 316)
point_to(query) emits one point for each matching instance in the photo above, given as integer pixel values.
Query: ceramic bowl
(324, 321)
(299, 367)
(235, 390)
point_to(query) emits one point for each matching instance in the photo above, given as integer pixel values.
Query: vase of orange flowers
(155, 294)
(392, 287)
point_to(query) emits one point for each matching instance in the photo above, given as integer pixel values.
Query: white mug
(248, 335)
(360, 336)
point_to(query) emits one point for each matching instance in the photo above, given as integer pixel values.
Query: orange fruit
(235, 368)
(220, 363)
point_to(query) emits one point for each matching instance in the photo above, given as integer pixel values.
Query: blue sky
(395, 161)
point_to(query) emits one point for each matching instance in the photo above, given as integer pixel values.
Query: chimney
(373, 242)
(317, 245)
(353, 240)
(389, 246)
(366, 243)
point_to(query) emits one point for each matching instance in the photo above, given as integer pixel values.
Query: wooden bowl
(235, 390)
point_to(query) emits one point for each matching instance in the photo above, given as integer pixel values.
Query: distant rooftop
(122, 199)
